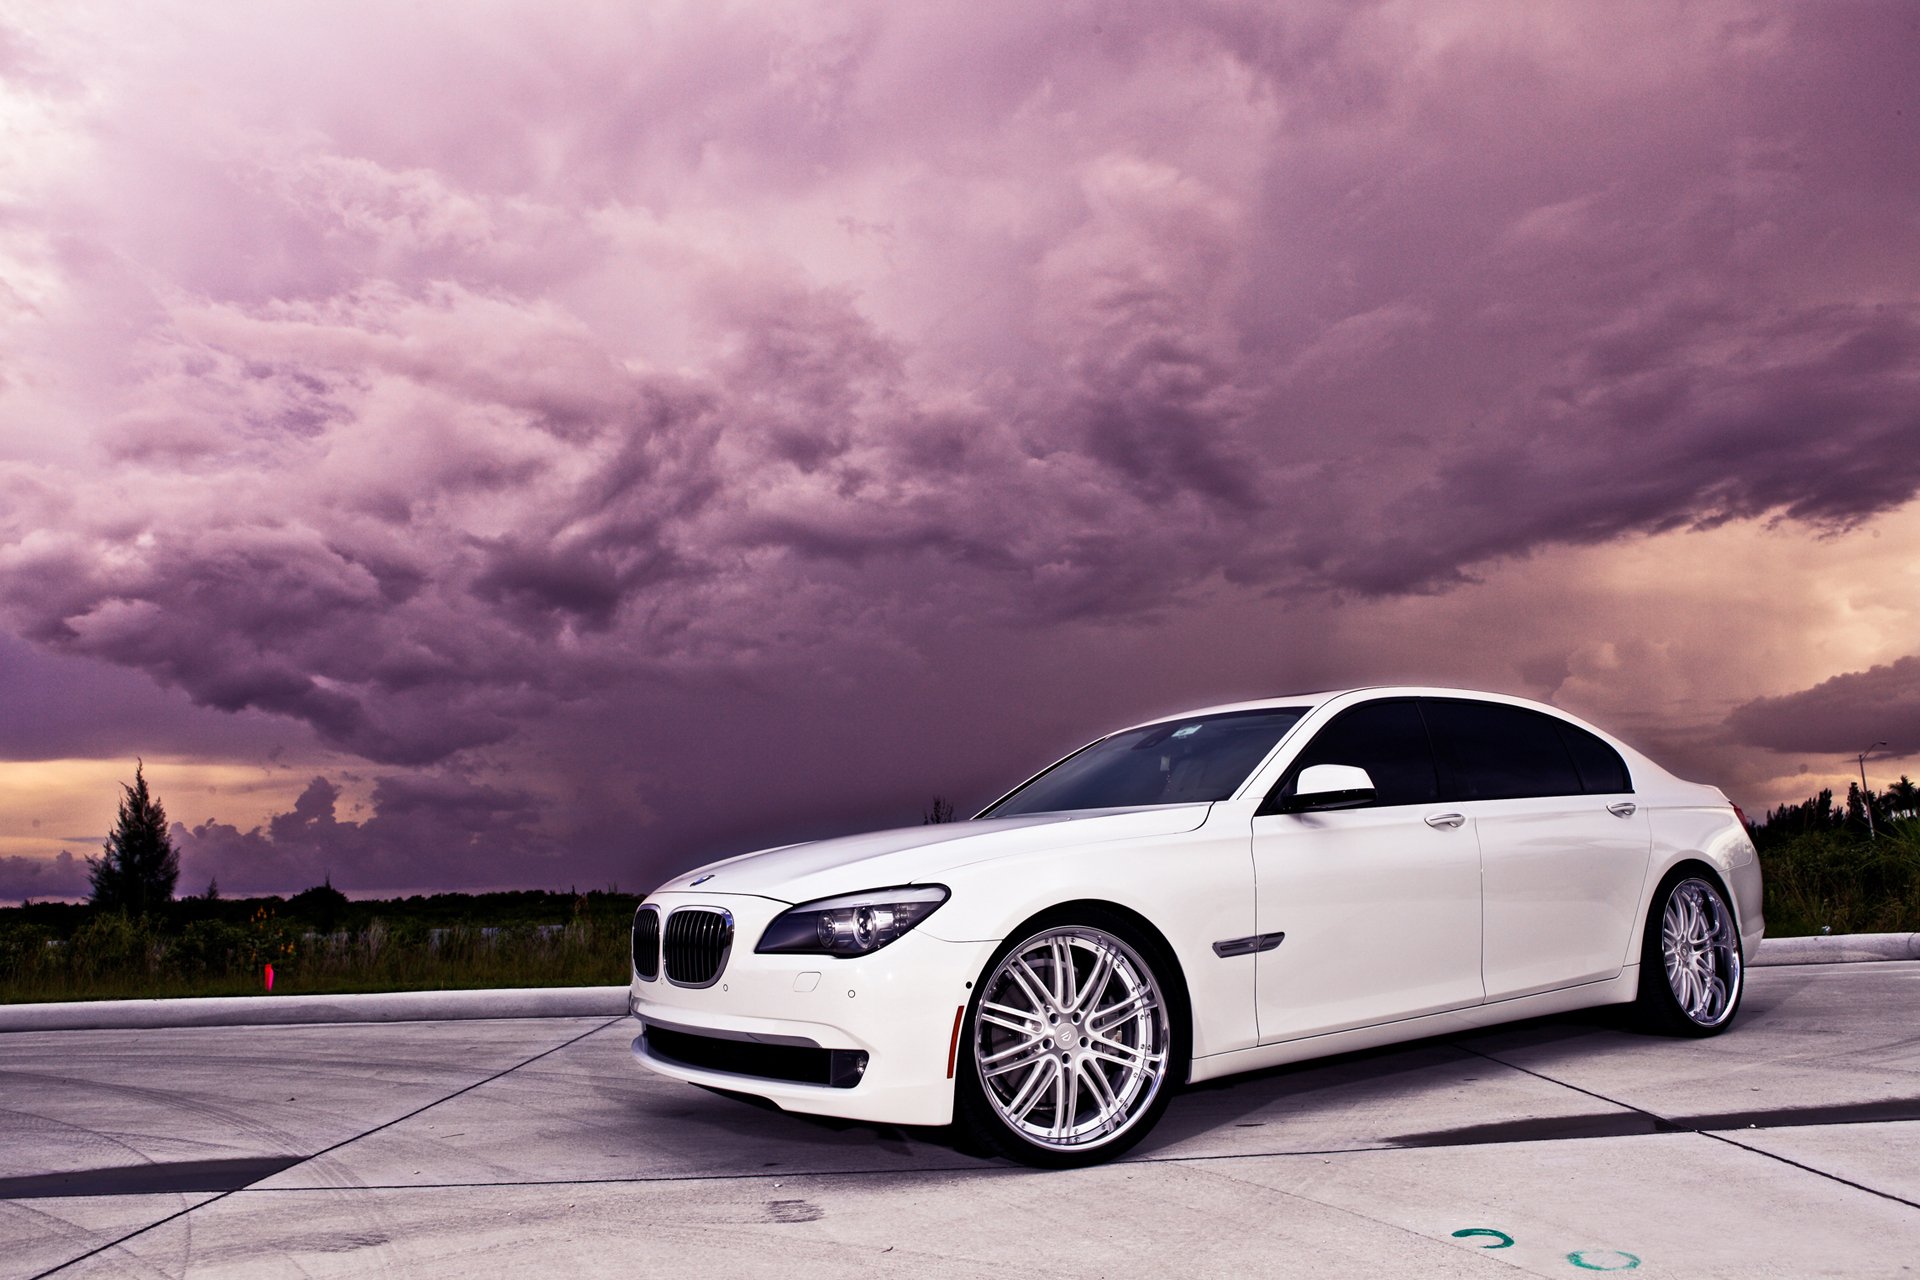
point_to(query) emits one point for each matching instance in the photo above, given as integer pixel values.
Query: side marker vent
(1248, 946)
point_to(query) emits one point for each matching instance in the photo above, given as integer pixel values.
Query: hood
(915, 855)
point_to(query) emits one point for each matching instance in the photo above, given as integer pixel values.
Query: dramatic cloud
(430, 380)
(61, 876)
(423, 832)
(1841, 716)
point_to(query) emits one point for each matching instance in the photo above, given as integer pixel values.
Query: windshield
(1188, 761)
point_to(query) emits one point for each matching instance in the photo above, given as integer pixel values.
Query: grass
(105, 956)
(1840, 879)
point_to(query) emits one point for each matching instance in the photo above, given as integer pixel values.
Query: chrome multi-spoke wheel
(1072, 1042)
(1701, 952)
(1691, 971)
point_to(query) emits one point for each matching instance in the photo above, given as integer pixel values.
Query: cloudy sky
(465, 444)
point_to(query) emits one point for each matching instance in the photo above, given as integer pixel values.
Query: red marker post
(269, 979)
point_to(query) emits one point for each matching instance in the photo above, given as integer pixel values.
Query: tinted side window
(1602, 771)
(1491, 751)
(1388, 740)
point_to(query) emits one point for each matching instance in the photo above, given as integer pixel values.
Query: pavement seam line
(1848, 1182)
(1682, 1128)
(997, 1167)
(174, 1217)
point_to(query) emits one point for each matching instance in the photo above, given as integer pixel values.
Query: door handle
(1623, 808)
(1446, 819)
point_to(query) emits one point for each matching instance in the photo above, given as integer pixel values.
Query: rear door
(1563, 844)
(1380, 905)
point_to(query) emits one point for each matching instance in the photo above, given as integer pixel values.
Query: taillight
(1741, 814)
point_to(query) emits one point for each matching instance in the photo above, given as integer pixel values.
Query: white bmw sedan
(1212, 893)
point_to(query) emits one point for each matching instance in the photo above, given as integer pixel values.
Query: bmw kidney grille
(646, 942)
(698, 941)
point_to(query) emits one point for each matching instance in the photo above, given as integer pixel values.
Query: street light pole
(1866, 800)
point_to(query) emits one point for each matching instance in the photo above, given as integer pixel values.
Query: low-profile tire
(1692, 973)
(1074, 1041)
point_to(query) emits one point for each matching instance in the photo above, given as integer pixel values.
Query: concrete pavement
(1788, 1147)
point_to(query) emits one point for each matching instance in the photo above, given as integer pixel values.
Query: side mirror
(1329, 786)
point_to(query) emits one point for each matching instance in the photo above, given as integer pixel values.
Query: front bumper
(898, 1006)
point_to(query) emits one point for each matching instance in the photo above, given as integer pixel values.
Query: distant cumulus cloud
(422, 832)
(62, 876)
(660, 348)
(1841, 716)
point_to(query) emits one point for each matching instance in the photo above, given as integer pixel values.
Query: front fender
(1194, 889)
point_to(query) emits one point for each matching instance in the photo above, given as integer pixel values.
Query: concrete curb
(1839, 948)
(611, 1002)
(264, 1010)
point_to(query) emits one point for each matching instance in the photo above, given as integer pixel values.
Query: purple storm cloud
(627, 432)
(1847, 714)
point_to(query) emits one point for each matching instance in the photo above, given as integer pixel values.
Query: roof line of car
(1314, 701)
(1321, 697)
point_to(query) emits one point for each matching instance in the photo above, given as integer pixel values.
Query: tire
(1692, 975)
(1075, 1038)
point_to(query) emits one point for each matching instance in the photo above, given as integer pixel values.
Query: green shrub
(1839, 880)
(209, 949)
(114, 945)
(27, 953)
(220, 947)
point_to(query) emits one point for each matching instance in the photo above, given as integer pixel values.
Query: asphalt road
(1565, 1146)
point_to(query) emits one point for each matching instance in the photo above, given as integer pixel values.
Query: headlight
(854, 924)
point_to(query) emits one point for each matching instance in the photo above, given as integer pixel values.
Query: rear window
(1602, 771)
(1491, 751)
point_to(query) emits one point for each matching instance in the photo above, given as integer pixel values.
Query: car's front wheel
(1074, 1040)
(1692, 974)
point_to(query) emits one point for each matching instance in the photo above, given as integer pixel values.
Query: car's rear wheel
(1692, 974)
(1074, 1039)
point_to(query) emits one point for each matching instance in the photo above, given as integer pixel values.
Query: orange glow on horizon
(50, 805)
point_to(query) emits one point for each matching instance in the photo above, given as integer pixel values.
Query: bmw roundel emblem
(700, 880)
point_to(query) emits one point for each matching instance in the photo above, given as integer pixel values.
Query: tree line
(136, 938)
(1826, 867)
(1899, 803)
